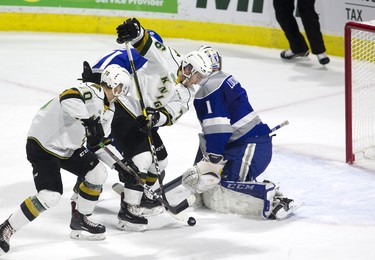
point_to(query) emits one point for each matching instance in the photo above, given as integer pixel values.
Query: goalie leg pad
(245, 198)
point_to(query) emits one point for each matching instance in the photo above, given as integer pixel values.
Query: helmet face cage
(194, 62)
(117, 79)
(213, 55)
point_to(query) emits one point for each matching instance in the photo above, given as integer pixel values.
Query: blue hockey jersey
(225, 114)
(119, 57)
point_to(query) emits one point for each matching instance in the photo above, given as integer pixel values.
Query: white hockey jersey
(158, 81)
(56, 126)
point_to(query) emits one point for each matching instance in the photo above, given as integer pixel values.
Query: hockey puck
(191, 221)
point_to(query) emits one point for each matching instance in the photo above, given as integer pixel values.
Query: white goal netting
(362, 71)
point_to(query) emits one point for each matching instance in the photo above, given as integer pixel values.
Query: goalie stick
(286, 122)
(173, 209)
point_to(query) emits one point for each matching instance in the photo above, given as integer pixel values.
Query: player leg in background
(135, 204)
(129, 216)
(284, 11)
(151, 206)
(135, 146)
(92, 175)
(310, 20)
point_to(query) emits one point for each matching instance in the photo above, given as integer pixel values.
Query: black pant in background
(284, 10)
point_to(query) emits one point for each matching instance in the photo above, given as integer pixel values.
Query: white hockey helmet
(213, 55)
(117, 78)
(196, 61)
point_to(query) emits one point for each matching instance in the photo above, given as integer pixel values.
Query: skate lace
(89, 223)
(135, 210)
(7, 232)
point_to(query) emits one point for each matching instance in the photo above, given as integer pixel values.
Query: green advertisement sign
(162, 6)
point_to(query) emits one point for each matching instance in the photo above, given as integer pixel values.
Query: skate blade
(84, 235)
(127, 226)
(282, 214)
(2, 252)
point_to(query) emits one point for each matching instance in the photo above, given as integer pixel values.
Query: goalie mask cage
(360, 91)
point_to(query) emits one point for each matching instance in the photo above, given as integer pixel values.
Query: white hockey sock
(132, 197)
(17, 220)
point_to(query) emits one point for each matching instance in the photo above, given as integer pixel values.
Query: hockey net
(360, 91)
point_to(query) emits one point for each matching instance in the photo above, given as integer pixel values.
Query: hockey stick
(172, 184)
(286, 122)
(143, 107)
(173, 209)
(182, 216)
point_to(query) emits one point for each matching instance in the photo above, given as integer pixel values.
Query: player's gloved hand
(127, 175)
(146, 123)
(94, 132)
(88, 75)
(128, 31)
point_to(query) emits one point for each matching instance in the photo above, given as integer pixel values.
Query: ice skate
(6, 231)
(283, 208)
(323, 58)
(149, 206)
(130, 219)
(83, 228)
(288, 54)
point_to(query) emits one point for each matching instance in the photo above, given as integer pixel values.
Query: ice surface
(337, 220)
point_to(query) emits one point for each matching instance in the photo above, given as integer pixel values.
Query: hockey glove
(128, 31)
(127, 175)
(94, 132)
(88, 75)
(144, 123)
(205, 175)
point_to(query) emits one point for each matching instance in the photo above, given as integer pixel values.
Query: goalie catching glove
(205, 175)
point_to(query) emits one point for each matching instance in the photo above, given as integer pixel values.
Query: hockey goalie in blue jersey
(235, 148)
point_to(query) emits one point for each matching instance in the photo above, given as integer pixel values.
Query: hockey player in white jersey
(167, 86)
(55, 140)
(235, 148)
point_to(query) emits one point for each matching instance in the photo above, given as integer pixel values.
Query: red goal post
(360, 91)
